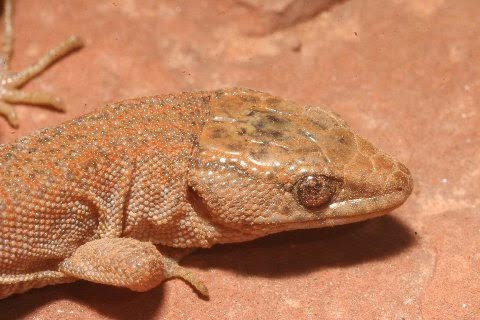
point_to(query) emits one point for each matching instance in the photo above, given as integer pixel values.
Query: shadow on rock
(299, 252)
(114, 303)
(268, 21)
(279, 255)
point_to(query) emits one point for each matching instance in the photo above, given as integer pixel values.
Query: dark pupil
(313, 192)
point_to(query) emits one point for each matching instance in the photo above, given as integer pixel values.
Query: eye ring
(313, 191)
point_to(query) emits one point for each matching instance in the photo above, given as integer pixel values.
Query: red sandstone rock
(404, 73)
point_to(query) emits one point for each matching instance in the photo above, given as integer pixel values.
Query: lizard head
(266, 165)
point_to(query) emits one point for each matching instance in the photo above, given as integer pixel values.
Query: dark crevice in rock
(296, 12)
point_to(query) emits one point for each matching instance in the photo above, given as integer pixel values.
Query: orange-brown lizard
(99, 197)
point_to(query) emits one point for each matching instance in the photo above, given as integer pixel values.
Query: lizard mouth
(353, 210)
(345, 212)
(364, 208)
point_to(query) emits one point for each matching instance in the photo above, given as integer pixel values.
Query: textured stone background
(403, 73)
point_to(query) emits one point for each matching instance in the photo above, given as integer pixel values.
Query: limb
(126, 262)
(33, 98)
(9, 81)
(70, 44)
(7, 34)
(9, 113)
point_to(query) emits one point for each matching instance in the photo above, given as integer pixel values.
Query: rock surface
(403, 73)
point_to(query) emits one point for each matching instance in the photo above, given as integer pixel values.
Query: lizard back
(53, 183)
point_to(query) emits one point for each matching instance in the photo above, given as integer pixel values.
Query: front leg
(126, 262)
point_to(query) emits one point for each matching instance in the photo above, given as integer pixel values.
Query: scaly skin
(90, 198)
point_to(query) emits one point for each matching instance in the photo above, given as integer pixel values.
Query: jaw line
(353, 210)
(364, 208)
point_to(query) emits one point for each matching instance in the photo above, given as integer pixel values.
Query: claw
(173, 270)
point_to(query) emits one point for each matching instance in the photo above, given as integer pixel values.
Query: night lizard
(100, 197)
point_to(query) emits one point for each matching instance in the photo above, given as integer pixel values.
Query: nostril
(407, 184)
(403, 181)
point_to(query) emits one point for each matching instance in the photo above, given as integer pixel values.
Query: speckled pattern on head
(185, 170)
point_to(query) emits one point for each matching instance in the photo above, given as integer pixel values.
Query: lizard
(10, 82)
(103, 197)
(97, 198)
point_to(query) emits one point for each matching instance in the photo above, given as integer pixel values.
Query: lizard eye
(313, 191)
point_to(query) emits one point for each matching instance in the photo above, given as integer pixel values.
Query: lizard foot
(11, 81)
(176, 271)
(126, 262)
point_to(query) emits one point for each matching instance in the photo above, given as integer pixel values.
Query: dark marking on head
(250, 98)
(274, 119)
(260, 154)
(273, 101)
(322, 126)
(259, 125)
(242, 131)
(206, 99)
(218, 133)
(342, 140)
(233, 146)
(219, 93)
(44, 139)
(195, 140)
(271, 133)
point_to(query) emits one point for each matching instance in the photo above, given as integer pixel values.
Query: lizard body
(92, 197)
(99, 197)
